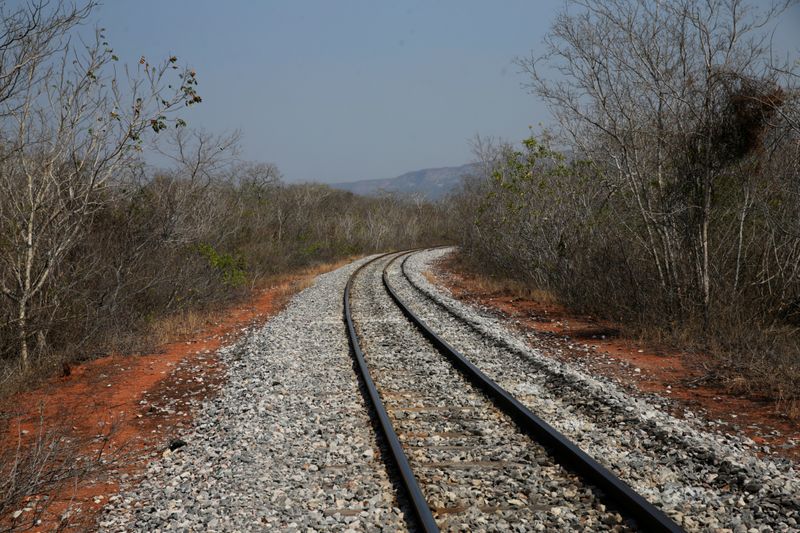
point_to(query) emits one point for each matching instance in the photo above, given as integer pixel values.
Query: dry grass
(178, 326)
(487, 283)
(746, 360)
(293, 282)
(183, 325)
(34, 466)
(164, 330)
(516, 289)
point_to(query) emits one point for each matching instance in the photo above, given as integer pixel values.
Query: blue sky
(349, 89)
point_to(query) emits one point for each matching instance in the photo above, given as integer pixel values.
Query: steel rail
(647, 516)
(422, 511)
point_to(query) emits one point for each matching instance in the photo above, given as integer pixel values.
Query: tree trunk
(705, 275)
(740, 239)
(22, 318)
(27, 283)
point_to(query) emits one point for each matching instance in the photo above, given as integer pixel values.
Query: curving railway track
(289, 442)
(468, 453)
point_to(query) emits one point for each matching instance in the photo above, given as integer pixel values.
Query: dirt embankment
(599, 347)
(71, 441)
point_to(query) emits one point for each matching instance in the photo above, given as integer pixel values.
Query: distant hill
(432, 183)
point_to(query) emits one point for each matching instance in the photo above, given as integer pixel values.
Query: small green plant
(230, 267)
(311, 249)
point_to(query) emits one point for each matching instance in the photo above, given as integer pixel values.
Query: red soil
(130, 406)
(598, 346)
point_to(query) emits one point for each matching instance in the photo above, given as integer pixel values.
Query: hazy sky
(346, 90)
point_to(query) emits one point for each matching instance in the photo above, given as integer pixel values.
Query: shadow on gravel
(401, 500)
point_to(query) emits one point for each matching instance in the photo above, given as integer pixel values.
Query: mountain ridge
(431, 183)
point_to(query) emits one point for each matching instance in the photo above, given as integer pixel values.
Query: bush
(172, 242)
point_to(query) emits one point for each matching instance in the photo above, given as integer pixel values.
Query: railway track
(469, 454)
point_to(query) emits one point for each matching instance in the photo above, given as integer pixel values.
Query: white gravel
(477, 471)
(705, 481)
(286, 445)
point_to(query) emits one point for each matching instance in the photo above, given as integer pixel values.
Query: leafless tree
(72, 122)
(667, 97)
(200, 162)
(29, 34)
(257, 178)
(486, 151)
(675, 207)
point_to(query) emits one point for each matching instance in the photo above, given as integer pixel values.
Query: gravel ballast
(287, 444)
(477, 471)
(703, 480)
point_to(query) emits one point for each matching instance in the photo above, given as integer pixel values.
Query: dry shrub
(36, 465)
(146, 269)
(673, 207)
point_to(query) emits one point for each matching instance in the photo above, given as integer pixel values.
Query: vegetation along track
(470, 456)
